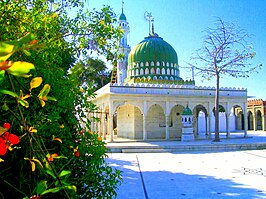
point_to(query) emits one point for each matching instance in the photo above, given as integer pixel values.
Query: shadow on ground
(175, 185)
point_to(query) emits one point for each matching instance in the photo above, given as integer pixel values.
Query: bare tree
(225, 51)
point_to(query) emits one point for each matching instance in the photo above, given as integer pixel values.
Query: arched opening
(222, 119)
(155, 122)
(175, 121)
(200, 123)
(250, 121)
(259, 120)
(129, 122)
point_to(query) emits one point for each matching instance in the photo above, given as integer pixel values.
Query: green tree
(60, 39)
(93, 72)
(225, 52)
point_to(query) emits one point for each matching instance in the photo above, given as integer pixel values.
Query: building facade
(256, 113)
(149, 97)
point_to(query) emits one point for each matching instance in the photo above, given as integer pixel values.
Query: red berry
(6, 125)
(77, 153)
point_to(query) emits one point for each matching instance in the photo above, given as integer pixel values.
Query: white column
(144, 120)
(111, 113)
(228, 120)
(227, 125)
(167, 117)
(210, 120)
(144, 128)
(245, 118)
(104, 127)
(207, 125)
(167, 134)
(111, 130)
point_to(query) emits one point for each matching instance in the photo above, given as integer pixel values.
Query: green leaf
(20, 68)
(27, 52)
(2, 75)
(52, 190)
(51, 98)
(23, 102)
(51, 174)
(7, 92)
(71, 187)
(64, 173)
(41, 187)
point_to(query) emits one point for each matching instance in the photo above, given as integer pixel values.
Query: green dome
(154, 58)
(122, 17)
(187, 111)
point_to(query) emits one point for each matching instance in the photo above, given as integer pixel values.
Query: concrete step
(184, 148)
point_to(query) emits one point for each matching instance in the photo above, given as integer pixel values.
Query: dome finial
(150, 18)
(122, 6)
(152, 28)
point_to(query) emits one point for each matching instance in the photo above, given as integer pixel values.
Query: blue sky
(182, 23)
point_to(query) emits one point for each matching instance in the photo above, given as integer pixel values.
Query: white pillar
(245, 118)
(144, 128)
(110, 117)
(207, 125)
(111, 130)
(228, 120)
(167, 134)
(145, 110)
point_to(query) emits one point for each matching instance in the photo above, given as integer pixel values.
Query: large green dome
(153, 58)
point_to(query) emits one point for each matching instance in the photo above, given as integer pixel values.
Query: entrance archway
(155, 122)
(259, 120)
(250, 121)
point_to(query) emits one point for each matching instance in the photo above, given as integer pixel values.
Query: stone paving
(205, 174)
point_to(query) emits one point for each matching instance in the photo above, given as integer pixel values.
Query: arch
(259, 120)
(155, 121)
(167, 64)
(172, 72)
(154, 78)
(163, 71)
(129, 121)
(165, 78)
(160, 78)
(137, 65)
(147, 64)
(147, 71)
(137, 71)
(141, 71)
(158, 71)
(152, 63)
(239, 118)
(171, 78)
(222, 119)
(200, 123)
(175, 121)
(168, 71)
(152, 71)
(157, 63)
(163, 64)
(141, 64)
(250, 121)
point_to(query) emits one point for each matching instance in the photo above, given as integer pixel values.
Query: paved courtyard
(235, 174)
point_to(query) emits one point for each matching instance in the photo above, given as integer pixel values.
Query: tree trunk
(217, 136)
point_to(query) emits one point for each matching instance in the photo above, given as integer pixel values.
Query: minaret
(124, 48)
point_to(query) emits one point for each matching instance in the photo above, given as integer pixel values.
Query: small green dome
(153, 58)
(187, 111)
(122, 17)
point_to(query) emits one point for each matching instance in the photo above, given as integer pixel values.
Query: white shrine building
(147, 98)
